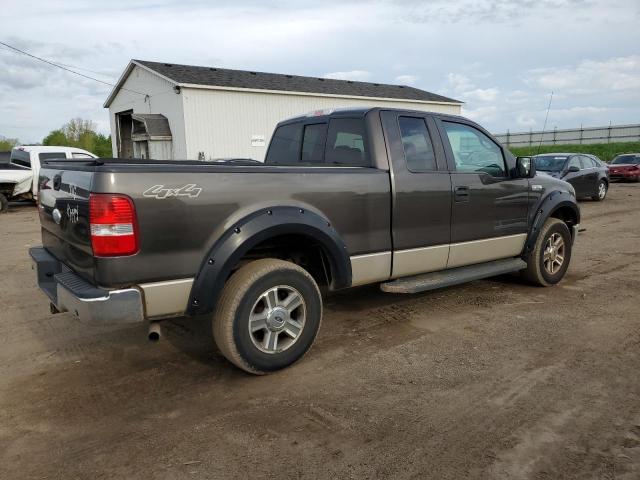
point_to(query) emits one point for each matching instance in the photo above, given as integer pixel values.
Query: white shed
(164, 110)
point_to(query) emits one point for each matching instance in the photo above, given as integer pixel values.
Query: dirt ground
(494, 379)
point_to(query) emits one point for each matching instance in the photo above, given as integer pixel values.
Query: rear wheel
(601, 192)
(268, 316)
(549, 260)
(4, 204)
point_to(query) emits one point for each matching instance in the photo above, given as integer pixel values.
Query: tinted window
(50, 155)
(313, 142)
(630, 159)
(285, 145)
(474, 151)
(550, 163)
(575, 162)
(418, 150)
(20, 157)
(346, 143)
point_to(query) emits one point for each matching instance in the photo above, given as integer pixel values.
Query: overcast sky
(501, 57)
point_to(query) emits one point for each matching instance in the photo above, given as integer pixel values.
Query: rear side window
(20, 157)
(341, 143)
(346, 143)
(418, 149)
(313, 140)
(50, 155)
(473, 151)
(80, 155)
(285, 145)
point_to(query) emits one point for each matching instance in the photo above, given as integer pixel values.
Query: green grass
(605, 151)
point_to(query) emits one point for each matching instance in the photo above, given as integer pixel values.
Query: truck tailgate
(64, 217)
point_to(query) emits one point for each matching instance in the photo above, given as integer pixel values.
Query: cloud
(356, 75)
(406, 79)
(590, 76)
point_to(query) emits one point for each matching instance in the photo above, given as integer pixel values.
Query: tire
(603, 188)
(537, 272)
(4, 204)
(250, 291)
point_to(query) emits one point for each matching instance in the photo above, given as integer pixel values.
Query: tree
(80, 133)
(7, 143)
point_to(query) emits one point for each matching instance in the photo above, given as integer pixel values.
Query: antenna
(545, 123)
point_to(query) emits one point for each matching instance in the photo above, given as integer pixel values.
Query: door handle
(461, 194)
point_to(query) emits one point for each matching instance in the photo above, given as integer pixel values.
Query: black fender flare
(253, 229)
(548, 205)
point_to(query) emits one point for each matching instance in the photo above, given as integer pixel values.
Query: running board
(454, 276)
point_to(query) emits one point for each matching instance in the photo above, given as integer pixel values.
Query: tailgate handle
(57, 181)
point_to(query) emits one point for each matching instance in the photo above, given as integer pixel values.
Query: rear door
(591, 177)
(421, 193)
(577, 179)
(489, 208)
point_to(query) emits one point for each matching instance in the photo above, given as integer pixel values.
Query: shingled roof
(224, 77)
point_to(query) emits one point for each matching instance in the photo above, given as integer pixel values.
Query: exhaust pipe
(154, 331)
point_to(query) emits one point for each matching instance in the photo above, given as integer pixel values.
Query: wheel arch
(557, 204)
(255, 229)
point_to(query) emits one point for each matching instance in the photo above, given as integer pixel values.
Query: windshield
(550, 163)
(628, 159)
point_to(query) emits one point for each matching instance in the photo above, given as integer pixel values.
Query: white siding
(162, 99)
(220, 123)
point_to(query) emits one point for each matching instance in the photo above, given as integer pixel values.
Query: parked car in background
(625, 167)
(19, 177)
(587, 173)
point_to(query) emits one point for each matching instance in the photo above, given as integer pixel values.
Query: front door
(576, 179)
(489, 208)
(421, 193)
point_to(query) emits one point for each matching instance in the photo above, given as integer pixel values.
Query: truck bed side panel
(176, 232)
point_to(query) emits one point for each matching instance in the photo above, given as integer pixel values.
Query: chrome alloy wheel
(602, 190)
(554, 254)
(277, 319)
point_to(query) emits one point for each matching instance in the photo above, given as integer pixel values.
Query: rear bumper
(70, 293)
(624, 175)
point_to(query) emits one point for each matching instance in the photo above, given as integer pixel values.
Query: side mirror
(525, 167)
(573, 169)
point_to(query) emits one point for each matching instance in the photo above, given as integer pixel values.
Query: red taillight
(114, 229)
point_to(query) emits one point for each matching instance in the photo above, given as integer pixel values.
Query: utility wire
(545, 123)
(67, 69)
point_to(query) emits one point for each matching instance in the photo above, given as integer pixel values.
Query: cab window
(51, 155)
(20, 157)
(346, 143)
(418, 149)
(474, 151)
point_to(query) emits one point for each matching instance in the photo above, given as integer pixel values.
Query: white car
(19, 178)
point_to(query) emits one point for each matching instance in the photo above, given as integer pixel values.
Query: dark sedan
(587, 173)
(625, 167)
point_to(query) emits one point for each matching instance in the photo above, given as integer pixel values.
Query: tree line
(78, 132)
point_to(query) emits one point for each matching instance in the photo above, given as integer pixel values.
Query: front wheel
(549, 260)
(601, 192)
(268, 316)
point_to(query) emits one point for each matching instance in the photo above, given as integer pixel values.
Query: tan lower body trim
(163, 299)
(370, 268)
(419, 260)
(485, 250)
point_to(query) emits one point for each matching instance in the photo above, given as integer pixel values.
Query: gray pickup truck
(411, 200)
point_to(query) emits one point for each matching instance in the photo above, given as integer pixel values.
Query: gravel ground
(493, 379)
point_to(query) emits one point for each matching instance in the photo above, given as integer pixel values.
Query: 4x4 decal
(160, 191)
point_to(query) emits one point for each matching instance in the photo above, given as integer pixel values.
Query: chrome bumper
(70, 293)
